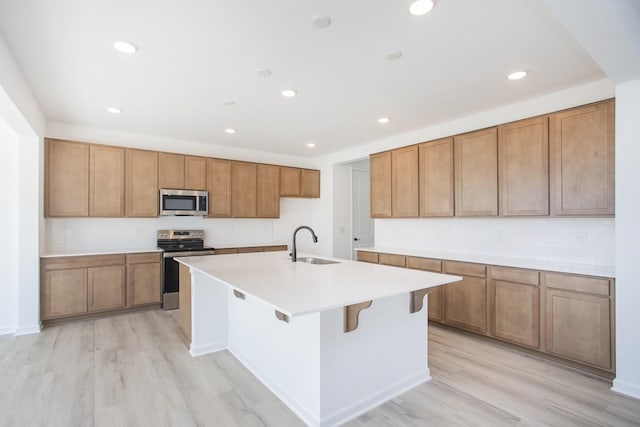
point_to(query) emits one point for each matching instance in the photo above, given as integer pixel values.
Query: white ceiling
(193, 54)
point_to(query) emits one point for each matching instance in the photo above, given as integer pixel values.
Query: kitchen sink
(312, 260)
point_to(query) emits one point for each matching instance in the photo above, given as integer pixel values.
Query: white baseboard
(206, 349)
(631, 390)
(9, 330)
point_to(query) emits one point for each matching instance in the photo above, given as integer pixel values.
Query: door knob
(355, 239)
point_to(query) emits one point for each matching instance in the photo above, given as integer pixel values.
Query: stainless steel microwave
(184, 202)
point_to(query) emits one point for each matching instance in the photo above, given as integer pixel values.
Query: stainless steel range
(178, 243)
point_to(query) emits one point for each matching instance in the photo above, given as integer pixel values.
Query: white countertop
(535, 264)
(98, 252)
(244, 245)
(299, 288)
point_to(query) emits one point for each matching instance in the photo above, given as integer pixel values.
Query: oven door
(171, 284)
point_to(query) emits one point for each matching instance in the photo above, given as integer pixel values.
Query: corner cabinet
(380, 172)
(297, 182)
(582, 160)
(141, 183)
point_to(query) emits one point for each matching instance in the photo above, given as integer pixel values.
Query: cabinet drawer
(591, 285)
(275, 248)
(82, 261)
(426, 264)
(144, 258)
(225, 251)
(368, 257)
(248, 250)
(515, 275)
(393, 260)
(465, 269)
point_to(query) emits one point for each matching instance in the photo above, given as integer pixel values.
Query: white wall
(9, 218)
(627, 237)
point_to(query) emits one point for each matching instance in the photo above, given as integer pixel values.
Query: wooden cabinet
(514, 305)
(380, 171)
(582, 160)
(524, 167)
(436, 296)
(578, 318)
(64, 293)
(182, 172)
(268, 197)
(219, 187)
(309, 183)
(436, 178)
(106, 181)
(476, 173)
(67, 179)
(143, 278)
(465, 302)
(141, 183)
(244, 186)
(404, 182)
(371, 257)
(106, 288)
(296, 182)
(392, 259)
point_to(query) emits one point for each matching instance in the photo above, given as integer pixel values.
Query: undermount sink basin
(312, 260)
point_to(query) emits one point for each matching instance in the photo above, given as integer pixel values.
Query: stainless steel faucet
(294, 253)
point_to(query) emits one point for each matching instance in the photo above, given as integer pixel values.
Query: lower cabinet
(435, 297)
(80, 285)
(465, 302)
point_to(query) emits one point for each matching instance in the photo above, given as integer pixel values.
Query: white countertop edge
(344, 303)
(496, 260)
(244, 245)
(98, 252)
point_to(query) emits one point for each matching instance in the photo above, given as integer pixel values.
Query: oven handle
(186, 253)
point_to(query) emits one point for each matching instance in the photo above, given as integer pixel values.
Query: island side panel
(283, 356)
(383, 357)
(209, 314)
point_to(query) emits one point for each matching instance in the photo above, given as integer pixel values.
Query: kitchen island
(331, 341)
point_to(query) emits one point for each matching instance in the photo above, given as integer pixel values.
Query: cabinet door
(524, 167)
(67, 179)
(219, 187)
(171, 171)
(65, 293)
(106, 287)
(106, 181)
(244, 186)
(195, 173)
(582, 160)
(465, 304)
(141, 183)
(436, 178)
(404, 182)
(515, 312)
(309, 183)
(476, 173)
(380, 170)
(268, 191)
(435, 304)
(578, 327)
(143, 283)
(290, 182)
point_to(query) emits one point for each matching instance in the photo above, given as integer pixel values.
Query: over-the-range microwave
(184, 202)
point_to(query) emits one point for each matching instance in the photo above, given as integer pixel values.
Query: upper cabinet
(404, 182)
(524, 167)
(436, 178)
(297, 182)
(106, 181)
(141, 183)
(244, 185)
(219, 187)
(476, 173)
(182, 172)
(268, 199)
(380, 171)
(67, 179)
(582, 160)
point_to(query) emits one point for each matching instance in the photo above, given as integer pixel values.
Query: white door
(362, 224)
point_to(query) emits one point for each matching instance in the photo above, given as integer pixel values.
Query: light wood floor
(133, 370)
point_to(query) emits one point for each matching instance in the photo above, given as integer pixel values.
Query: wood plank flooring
(133, 370)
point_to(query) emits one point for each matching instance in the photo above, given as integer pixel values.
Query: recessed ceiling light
(263, 72)
(114, 110)
(394, 54)
(228, 103)
(230, 131)
(384, 120)
(421, 7)
(321, 21)
(288, 93)
(125, 47)
(517, 75)
(311, 145)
